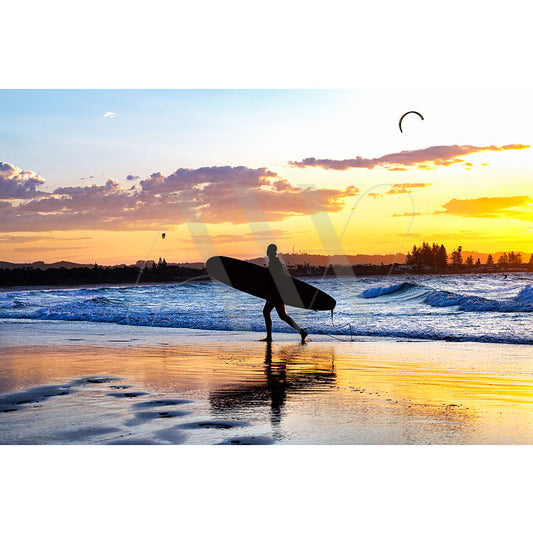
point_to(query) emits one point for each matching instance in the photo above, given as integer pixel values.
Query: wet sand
(83, 383)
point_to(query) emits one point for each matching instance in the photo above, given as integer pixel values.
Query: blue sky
(63, 134)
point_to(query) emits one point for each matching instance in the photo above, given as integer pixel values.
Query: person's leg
(268, 320)
(280, 308)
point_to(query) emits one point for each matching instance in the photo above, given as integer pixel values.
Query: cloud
(93, 198)
(490, 207)
(18, 184)
(406, 214)
(446, 237)
(11, 239)
(225, 177)
(400, 189)
(239, 238)
(18, 239)
(109, 115)
(131, 177)
(212, 194)
(240, 194)
(424, 158)
(46, 249)
(271, 205)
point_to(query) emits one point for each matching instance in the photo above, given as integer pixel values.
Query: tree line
(436, 257)
(152, 272)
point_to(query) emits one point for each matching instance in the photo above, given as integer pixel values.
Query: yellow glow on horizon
(372, 230)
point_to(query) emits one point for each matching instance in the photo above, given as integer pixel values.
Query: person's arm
(276, 267)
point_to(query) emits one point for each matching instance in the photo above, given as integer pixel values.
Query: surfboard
(257, 281)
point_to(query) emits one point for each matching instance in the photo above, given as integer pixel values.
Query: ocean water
(486, 307)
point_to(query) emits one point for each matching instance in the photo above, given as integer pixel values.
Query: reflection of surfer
(274, 298)
(276, 385)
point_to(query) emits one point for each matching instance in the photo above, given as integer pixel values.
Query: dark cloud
(18, 184)
(424, 158)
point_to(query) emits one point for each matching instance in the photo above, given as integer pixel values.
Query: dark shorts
(273, 294)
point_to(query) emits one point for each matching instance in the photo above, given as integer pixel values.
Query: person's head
(272, 250)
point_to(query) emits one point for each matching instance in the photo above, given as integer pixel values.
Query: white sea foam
(472, 303)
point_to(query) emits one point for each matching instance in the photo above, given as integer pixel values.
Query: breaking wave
(522, 302)
(378, 291)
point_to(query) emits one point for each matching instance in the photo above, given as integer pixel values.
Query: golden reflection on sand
(382, 392)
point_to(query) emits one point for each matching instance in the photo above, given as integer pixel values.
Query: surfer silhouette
(274, 299)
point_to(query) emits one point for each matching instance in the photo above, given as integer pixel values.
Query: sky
(98, 175)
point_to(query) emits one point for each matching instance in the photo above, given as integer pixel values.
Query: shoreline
(27, 326)
(113, 384)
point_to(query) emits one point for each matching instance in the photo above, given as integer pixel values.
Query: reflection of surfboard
(256, 280)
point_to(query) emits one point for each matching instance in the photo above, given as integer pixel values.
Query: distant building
(145, 264)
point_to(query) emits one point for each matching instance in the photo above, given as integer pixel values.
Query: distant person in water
(274, 300)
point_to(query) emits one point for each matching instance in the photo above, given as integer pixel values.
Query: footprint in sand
(127, 395)
(248, 440)
(143, 417)
(218, 424)
(160, 402)
(172, 435)
(93, 379)
(134, 441)
(17, 401)
(83, 433)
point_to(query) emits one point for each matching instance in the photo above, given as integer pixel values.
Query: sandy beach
(85, 383)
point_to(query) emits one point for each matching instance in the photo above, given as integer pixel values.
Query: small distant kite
(401, 118)
(163, 236)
